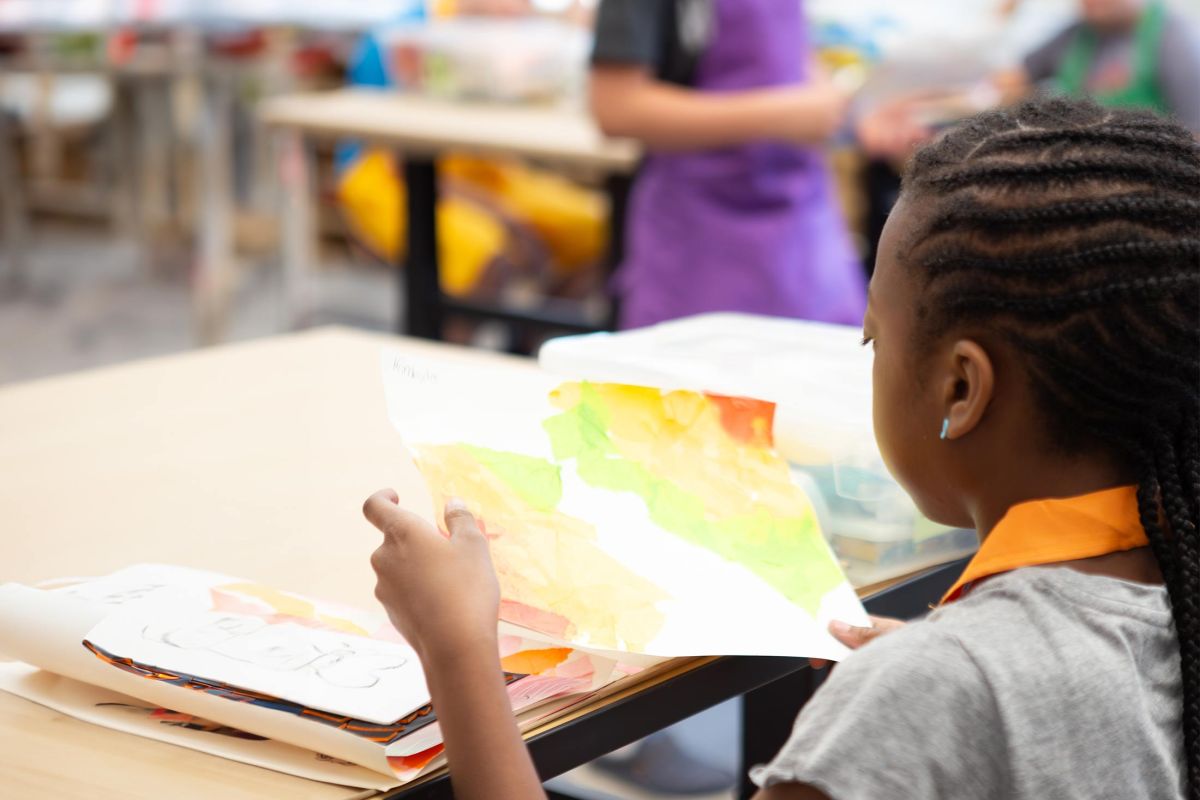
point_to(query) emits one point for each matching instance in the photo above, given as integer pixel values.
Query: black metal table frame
(774, 689)
(424, 303)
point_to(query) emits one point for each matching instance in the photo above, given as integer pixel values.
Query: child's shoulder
(1020, 628)
(1053, 604)
(1042, 682)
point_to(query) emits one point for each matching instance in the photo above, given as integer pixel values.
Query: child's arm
(627, 100)
(441, 594)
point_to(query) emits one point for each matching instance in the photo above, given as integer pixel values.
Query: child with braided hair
(1035, 317)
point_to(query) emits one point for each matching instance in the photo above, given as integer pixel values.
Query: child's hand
(439, 591)
(854, 637)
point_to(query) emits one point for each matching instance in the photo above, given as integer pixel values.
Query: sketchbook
(186, 656)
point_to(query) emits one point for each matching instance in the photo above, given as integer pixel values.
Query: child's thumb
(460, 523)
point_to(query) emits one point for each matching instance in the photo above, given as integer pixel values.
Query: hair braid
(1073, 232)
(1065, 171)
(1132, 137)
(1184, 250)
(1142, 208)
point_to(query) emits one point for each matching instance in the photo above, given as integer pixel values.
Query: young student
(734, 208)
(1035, 317)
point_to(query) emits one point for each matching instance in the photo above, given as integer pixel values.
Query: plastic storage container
(517, 61)
(819, 376)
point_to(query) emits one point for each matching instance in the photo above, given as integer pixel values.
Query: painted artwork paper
(627, 518)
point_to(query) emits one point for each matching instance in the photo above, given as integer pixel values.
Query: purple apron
(752, 228)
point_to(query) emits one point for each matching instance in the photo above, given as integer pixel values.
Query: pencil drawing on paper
(280, 647)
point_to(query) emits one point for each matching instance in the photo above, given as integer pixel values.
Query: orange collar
(1046, 531)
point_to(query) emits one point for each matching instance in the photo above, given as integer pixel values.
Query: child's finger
(377, 506)
(382, 509)
(855, 637)
(460, 523)
(852, 636)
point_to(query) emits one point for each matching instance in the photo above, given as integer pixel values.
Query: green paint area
(788, 553)
(535, 480)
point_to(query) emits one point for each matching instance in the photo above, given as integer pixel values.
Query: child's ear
(968, 388)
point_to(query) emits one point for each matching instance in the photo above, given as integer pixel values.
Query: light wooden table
(254, 460)
(420, 129)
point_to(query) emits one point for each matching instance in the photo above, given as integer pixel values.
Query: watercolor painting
(629, 518)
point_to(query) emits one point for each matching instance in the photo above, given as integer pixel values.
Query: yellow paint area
(289, 605)
(731, 478)
(546, 559)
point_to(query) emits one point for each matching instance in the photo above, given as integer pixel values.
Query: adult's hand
(893, 130)
(818, 110)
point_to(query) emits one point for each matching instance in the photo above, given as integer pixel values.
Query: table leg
(768, 714)
(152, 115)
(299, 225)
(16, 221)
(213, 279)
(618, 186)
(419, 276)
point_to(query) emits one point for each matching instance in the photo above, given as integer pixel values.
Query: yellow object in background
(469, 238)
(571, 222)
(473, 223)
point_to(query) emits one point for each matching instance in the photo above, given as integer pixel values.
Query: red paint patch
(535, 618)
(747, 421)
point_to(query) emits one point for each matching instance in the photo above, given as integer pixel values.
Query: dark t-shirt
(666, 36)
(1178, 63)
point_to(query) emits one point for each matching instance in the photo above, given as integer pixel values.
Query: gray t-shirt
(1178, 63)
(1042, 682)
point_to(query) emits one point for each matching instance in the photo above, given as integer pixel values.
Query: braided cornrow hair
(1072, 232)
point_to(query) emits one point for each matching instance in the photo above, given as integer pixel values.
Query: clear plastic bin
(820, 378)
(501, 60)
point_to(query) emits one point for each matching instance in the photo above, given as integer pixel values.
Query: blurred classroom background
(151, 205)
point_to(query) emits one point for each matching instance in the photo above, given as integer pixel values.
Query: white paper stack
(251, 673)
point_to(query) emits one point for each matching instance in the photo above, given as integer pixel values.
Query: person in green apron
(1121, 53)
(1125, 54)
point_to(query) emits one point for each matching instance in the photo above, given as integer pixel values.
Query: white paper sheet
(129, 714)
(46, 629)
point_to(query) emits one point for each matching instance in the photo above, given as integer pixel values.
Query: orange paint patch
(407, 767)
(535, 662)
(747, 421)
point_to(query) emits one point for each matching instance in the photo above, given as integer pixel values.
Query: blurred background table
(421, 129)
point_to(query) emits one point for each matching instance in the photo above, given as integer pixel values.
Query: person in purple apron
(733, 209)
